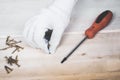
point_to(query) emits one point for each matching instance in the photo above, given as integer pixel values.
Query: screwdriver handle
(102, 21)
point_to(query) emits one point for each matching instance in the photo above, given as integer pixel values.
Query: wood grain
(15, 13)
(100, 62)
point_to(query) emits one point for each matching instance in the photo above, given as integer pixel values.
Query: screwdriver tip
(63, 60)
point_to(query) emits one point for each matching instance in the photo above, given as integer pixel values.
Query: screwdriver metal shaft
(65, 58)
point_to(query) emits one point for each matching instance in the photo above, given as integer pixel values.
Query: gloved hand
(45, 30)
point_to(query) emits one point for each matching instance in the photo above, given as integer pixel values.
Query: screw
(8, 69)
(12, 61)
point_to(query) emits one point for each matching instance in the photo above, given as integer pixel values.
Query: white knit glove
(45, 30)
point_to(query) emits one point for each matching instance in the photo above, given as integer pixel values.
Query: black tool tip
(64, 60)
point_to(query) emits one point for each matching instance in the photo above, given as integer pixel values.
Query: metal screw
(8, 69)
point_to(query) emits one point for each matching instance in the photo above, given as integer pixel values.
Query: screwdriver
(101, 22)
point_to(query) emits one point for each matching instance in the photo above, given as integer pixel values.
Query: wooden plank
(14, 14)
(93, 76)
(101, 60)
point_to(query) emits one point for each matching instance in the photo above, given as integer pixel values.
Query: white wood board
(101, 60)
(14, 14)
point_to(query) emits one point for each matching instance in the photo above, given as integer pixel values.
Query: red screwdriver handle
(102, 21)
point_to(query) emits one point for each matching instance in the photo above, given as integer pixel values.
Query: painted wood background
(14, 14)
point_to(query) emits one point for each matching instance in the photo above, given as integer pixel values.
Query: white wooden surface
(14, 14)
(101, 62)
(102, 59)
